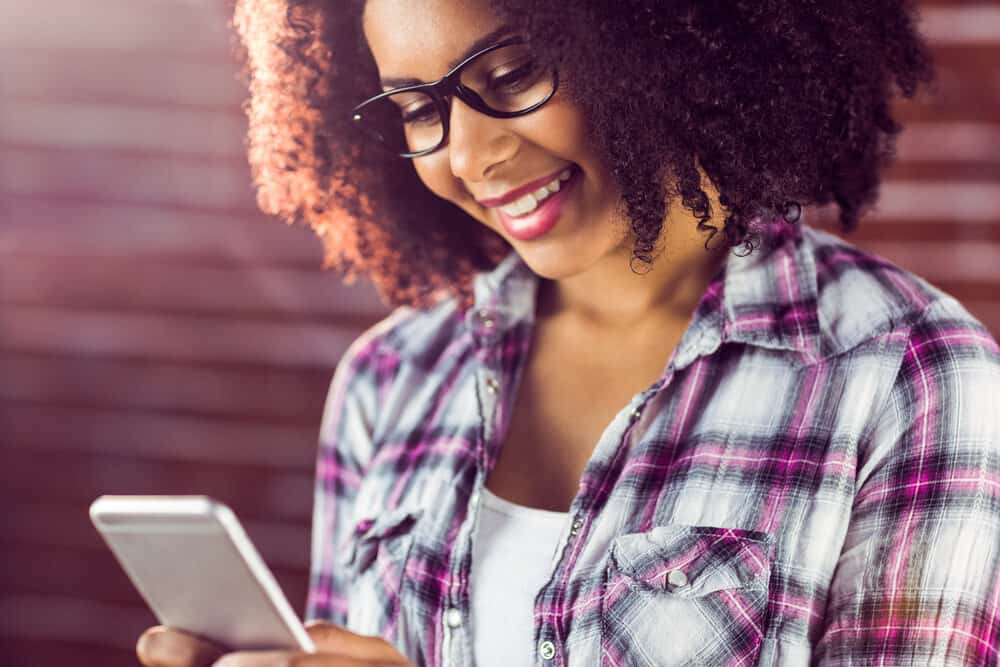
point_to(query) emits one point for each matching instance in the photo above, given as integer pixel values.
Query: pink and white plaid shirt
(814, 479)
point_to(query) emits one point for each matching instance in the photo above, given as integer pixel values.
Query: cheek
(561, 129)
(437, 176)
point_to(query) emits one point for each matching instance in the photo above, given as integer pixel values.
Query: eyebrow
(475, 47)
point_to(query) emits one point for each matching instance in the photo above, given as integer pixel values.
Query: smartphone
(196, 568)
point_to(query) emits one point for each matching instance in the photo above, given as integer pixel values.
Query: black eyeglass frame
(450, 84)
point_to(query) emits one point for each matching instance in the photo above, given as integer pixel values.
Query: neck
(610, 295)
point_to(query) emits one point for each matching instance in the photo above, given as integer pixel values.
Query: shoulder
(933, 368)
(368, 371)
(861, 296)
(409, 341)
(407, 334)
(941, 366)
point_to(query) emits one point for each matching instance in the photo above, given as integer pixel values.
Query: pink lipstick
(532, 225)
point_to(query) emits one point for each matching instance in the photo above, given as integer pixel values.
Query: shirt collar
(767, 298)
(503, 299)
(770, 297)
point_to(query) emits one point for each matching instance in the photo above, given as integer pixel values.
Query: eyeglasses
(502, 81)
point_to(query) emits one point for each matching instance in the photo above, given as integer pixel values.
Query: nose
(476, 141)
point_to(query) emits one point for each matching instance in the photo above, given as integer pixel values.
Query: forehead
(419, 39)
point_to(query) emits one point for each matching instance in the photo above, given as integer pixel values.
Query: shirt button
(636, 413)
(485, 319)
(547, 650)
(575, 528)
(677, 578)
(492, 385)
(453, 617)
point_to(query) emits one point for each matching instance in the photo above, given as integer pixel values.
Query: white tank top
(512, 558)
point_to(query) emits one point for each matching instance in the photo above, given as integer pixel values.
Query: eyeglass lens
(508, 79)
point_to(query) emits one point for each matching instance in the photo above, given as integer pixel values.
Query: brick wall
(158, 334)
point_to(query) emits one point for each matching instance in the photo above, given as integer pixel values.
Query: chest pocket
(686, 595)
(376, 559)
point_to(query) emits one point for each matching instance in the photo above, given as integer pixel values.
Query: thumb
(330, 638)
(168, 647)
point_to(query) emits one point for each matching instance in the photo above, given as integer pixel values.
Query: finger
(166, 647)
(286, 659)
(330, 638)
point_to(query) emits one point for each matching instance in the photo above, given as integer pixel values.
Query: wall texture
(159, 335)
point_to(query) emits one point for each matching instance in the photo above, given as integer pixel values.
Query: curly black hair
(782, 103)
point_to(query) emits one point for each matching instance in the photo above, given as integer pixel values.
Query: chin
(553, 265)
(565, 256)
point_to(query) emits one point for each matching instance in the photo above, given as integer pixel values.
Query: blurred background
(159, 335)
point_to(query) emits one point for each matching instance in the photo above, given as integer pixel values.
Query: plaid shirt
(815, 477)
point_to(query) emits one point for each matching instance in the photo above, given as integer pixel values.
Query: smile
(530, 201)
(536, 213)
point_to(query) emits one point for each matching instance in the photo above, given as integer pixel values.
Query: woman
(630, 410)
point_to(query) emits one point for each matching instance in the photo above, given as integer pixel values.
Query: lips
(522, 190)
(541, 220)
(529, 202)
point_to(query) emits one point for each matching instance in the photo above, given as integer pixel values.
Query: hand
(335, 647)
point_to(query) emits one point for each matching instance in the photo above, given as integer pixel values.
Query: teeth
(525, 204)
(530, 202)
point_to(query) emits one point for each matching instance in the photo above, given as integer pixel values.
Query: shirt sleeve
(345, 445)
(918, 579)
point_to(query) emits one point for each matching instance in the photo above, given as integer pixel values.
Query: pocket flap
(383, 528)
(691, 561)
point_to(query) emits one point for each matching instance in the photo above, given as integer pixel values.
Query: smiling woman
(669, 92)
(629, 410)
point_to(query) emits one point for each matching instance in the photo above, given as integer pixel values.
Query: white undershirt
(512, 557)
